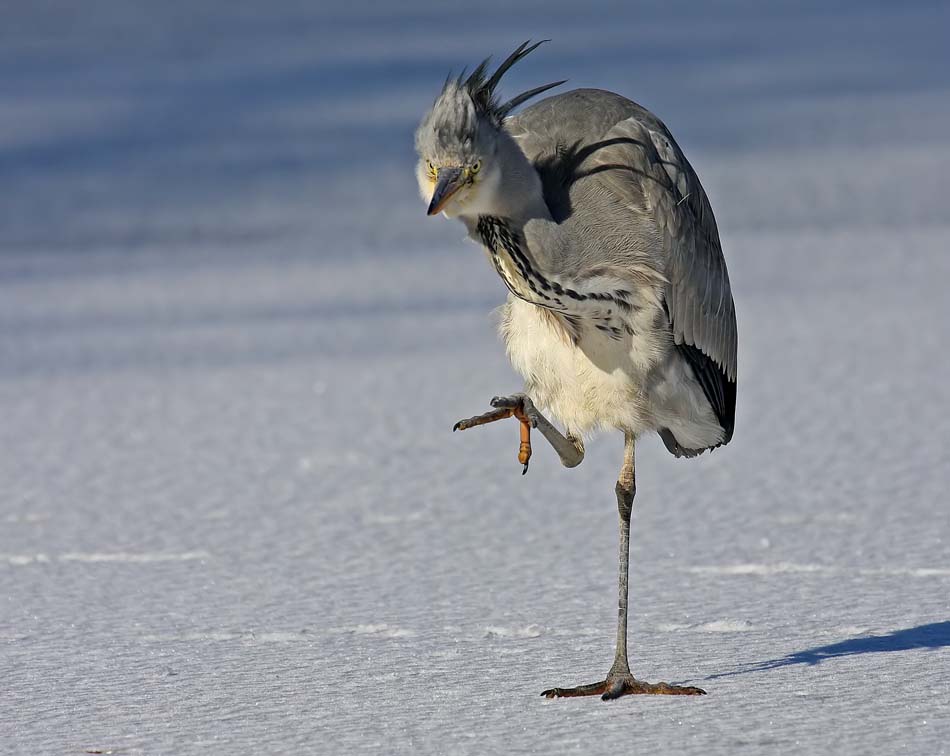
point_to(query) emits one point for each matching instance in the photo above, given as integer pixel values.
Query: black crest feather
(482, 90)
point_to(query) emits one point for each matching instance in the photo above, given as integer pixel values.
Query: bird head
(457, 141)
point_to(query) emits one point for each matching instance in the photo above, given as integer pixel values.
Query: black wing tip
(719, 389)
(728, 419)
(681, 452)
(720, 392)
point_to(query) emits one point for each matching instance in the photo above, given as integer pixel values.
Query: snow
(233, 515)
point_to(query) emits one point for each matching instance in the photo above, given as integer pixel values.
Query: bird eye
(430, 167)
(476, 167)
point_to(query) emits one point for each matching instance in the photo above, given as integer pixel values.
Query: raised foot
(518, 406)
(624, 685)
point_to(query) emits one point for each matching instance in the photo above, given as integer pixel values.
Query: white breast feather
(602, 382)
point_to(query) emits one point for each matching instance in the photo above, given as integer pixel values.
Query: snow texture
(233, 516)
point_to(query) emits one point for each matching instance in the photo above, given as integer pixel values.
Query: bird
(619, 314)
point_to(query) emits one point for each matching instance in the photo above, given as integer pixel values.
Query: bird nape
(619, 313)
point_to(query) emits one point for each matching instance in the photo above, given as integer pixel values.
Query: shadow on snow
(932, 636)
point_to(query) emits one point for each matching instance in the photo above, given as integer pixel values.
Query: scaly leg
(619, 681)
(568, 448)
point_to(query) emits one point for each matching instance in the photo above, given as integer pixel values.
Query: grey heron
(619, 313)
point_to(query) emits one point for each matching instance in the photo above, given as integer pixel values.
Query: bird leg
(619, 681)
(519, 406)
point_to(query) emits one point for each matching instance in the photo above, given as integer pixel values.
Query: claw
(617, 689)
(507, 406)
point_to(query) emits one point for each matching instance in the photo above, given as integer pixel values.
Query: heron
(619, 312)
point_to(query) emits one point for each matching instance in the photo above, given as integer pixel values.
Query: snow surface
(233, 517)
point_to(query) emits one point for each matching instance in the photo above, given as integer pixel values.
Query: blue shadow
(932, 636)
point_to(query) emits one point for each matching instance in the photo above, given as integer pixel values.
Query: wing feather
(642, 159)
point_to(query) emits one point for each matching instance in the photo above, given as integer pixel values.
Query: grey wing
(641, 164)
(645, 164)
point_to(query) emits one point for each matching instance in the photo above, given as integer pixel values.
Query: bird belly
(591, 379)
(585, 380)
